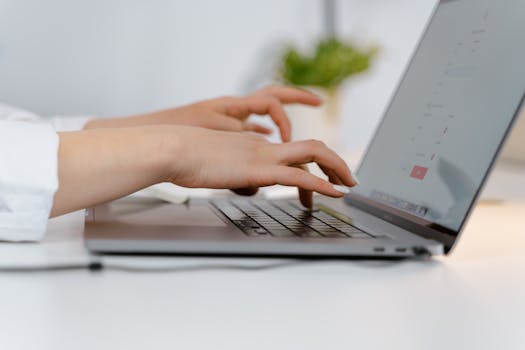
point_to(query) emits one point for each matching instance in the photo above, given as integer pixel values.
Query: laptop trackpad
(173, 215)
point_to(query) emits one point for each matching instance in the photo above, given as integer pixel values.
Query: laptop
(420, 176)
(514, 150)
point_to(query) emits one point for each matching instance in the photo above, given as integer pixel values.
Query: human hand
(199, 157)
(226, 113)
(101, 165)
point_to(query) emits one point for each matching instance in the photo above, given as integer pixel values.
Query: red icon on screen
(418, 172)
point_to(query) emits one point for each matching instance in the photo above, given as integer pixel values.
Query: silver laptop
(420, 176)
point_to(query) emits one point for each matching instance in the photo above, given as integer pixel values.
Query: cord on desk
(422, 252)
(96, 266)
(91, 266)
(205, 267)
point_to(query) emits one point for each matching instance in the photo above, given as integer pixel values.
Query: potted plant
(324, 70)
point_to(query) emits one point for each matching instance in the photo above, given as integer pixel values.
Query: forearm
(123, 122)
(154, 118)
(96, 166)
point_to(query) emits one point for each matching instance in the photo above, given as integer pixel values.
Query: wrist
(97, 166)
(167, 146)
(98, 123)
(120, 122)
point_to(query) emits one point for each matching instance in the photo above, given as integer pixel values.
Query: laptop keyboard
(284, 219)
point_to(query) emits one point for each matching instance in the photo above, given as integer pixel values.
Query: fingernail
(341, 188)
(355, 179)
(319, 98)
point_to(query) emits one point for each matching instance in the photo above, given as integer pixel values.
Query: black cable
(422, 252)
(91, 266)
(96, 266)
(205, 267)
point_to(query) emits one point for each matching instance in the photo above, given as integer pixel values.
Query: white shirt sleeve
(28, 171)
(60, 123)
(72, 123)
(28, 179)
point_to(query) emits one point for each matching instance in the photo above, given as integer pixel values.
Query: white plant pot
(319, 123)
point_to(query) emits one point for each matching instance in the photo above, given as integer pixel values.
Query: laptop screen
(450, 113)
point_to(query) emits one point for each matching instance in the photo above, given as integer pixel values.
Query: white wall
(395, 26)
(117, 57)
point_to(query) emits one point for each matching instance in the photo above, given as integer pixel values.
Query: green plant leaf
(332, 62)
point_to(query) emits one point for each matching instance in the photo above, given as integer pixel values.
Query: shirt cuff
(73, 123)
(28, 179)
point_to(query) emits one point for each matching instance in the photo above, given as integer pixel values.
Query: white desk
(473, 299)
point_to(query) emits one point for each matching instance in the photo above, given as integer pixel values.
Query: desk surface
(472, 299)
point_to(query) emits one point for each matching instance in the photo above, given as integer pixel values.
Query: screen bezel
(427, 229)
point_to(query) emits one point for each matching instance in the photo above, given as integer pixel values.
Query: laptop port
(379, 249)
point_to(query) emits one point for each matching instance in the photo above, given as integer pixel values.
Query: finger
(332, 177)
(248, 191)
(253, 127)
(270, 105)
(286, 94)
(221, 122)
(305, 196)
(304, 152)
(292, 176)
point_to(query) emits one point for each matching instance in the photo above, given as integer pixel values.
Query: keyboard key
(246, 223)
(349, 229)
(358, 235)
(282, 233)
(320, 226)
(280, 219)
(334, 234)
(256, 231)
(306, 232)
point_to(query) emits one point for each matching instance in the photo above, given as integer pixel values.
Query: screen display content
(450, 112)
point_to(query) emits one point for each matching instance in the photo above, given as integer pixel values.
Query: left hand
(226, 113)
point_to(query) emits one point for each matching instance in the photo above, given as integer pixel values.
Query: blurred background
(120, 57)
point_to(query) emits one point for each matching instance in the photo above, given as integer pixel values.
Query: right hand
(231, 160)
(100, 165)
